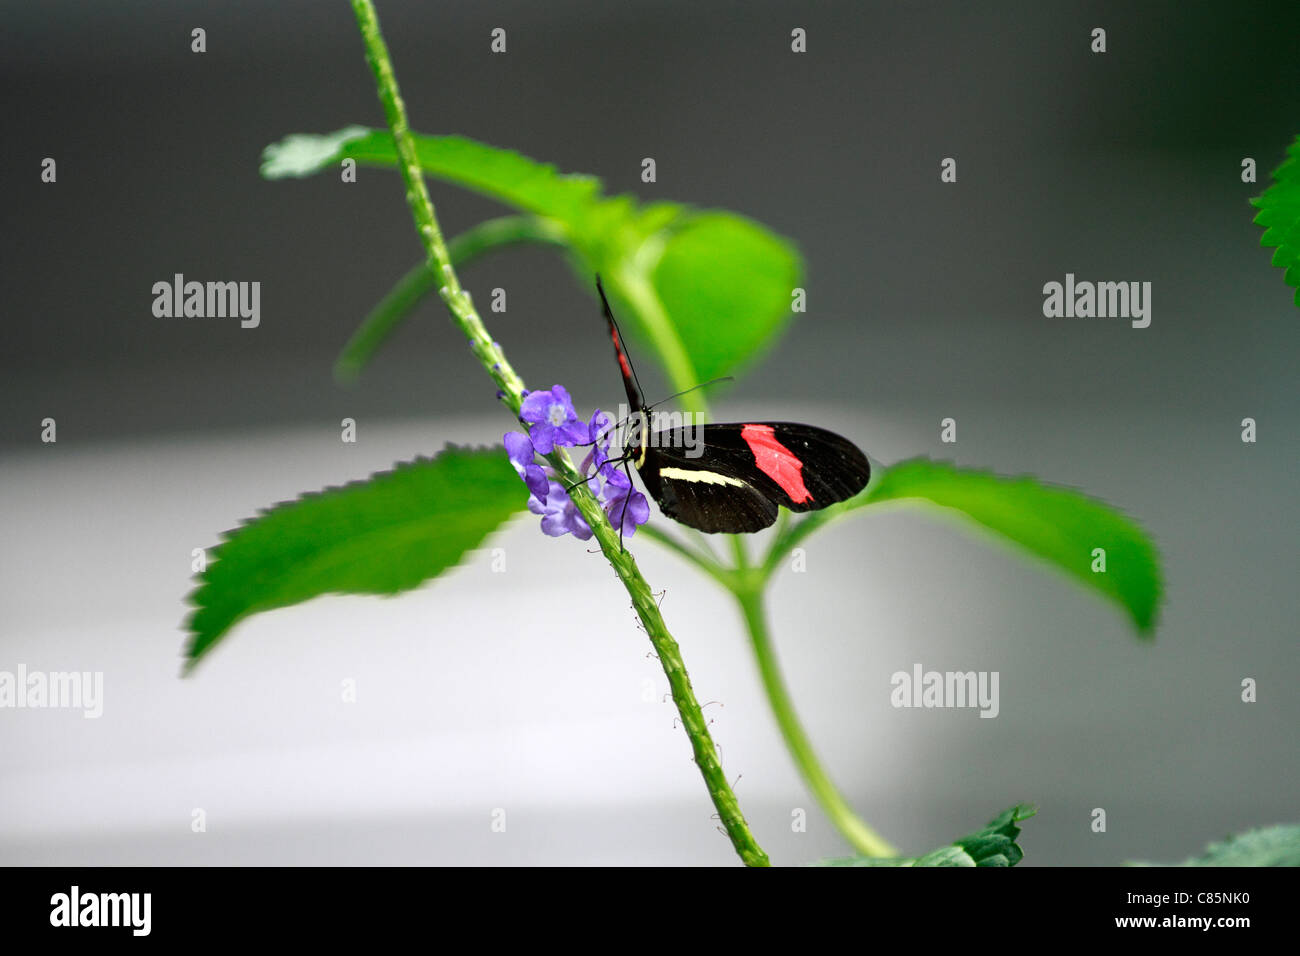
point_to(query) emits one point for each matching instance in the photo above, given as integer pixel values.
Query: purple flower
(599, 431)
(523, 457)
(553, 419)
(559, 514)
(623, 502)
(554, 424)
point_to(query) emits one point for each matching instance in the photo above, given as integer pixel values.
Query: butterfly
(733, 477)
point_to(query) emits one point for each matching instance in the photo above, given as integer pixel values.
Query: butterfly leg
(596, 474)
(569, 488)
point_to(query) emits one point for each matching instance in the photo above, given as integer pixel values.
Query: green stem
(855, 829)
(494, 361)
(500, 232)
(739, 554)
(420, 281)
(703, 542)
(705, 562)
(790, 534)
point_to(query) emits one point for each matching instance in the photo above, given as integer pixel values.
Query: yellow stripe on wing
(703, 477)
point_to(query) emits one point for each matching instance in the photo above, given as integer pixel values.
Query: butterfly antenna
(715, 381)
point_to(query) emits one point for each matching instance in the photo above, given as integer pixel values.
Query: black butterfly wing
(709, 497)
(804, 467)
(737, 477)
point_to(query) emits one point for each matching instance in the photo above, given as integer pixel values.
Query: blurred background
(531, 690)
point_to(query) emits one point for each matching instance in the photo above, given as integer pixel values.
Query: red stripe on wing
(776, 461)
(622, 356)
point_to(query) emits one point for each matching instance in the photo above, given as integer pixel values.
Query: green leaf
(1279, 214)
(385, 534)
(1267, 846)
(306, 154)
(727, 283)
(500, 173)
(708, 291)
(1059, 525)
(994, 845)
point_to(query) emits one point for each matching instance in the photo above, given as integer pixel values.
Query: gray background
(523, 690)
